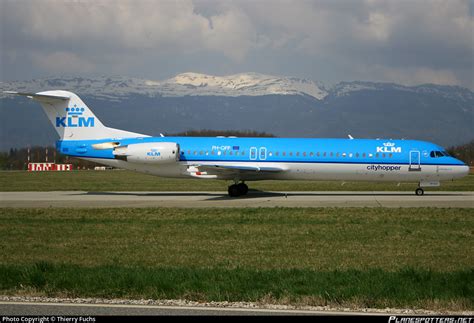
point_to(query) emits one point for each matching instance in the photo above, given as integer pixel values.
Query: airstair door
(414, 161)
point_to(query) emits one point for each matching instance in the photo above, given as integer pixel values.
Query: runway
(31, 308)
(221, 199)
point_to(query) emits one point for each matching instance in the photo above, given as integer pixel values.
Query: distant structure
(47, 167)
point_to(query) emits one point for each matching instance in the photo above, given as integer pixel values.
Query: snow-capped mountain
(252, 84)
(186, 84)
(445, 91)
(283, 106)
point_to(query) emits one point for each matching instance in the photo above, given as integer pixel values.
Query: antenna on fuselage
(350, 137)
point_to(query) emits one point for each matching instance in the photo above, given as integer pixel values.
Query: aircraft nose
(464, 171)
(460, 171)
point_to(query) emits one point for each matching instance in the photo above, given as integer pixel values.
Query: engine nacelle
(149, 153)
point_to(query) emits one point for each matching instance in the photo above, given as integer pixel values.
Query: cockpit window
(436, 153)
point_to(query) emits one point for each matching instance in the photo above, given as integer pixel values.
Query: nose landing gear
(419, 191)
(238, 189)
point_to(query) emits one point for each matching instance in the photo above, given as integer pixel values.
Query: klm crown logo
(74, 118)
(153, 153)
(389, 147)
(75, 111)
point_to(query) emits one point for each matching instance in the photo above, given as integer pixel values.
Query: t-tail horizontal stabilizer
(72, 118)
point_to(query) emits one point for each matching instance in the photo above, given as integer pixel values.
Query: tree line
(463, 152)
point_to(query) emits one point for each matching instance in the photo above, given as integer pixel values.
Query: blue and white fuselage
(245, 159)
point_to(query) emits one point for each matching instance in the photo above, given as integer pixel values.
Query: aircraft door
(263, 153)
(414, 161)
(253, 153)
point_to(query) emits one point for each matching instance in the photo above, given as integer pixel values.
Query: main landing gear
(238, 189)
(419, 191)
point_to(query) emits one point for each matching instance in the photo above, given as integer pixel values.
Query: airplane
(240, 160)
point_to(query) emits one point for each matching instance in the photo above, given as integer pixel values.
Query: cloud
(63, 62)
(398, 41)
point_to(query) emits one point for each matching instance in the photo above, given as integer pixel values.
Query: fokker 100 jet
(240, 160)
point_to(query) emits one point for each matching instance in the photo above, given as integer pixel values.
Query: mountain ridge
(246, 101)
(197, 84)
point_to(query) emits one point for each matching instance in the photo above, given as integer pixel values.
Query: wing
(232, 171)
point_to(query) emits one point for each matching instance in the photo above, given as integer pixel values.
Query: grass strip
(120, 180)
(376, 288)
(320, 239)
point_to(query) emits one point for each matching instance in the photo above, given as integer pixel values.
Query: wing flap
(217, 169)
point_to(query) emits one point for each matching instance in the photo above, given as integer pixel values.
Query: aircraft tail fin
(72, 118)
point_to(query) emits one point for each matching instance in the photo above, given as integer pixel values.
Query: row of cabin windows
(284, 153)
(332, 154)
(213, 152)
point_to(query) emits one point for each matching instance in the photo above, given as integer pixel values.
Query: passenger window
(298, 153)
(284, 153)
(324, 154)
(230, 153)
(311, 154)
(243, 153)
(383, 155)
(291, 153)
(276, 153)
(304, 154)
(357, 155)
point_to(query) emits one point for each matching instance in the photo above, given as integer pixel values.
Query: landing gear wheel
(238, 190)
(233, 190)
(419, 191)
(243, 188)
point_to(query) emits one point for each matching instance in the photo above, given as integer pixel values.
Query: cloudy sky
(403, 41)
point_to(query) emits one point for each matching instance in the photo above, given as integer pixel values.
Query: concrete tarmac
(67, 309)
(221, 199)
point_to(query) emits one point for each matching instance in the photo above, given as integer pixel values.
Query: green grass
(371, 288)
(118, 180)
(410, 257)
